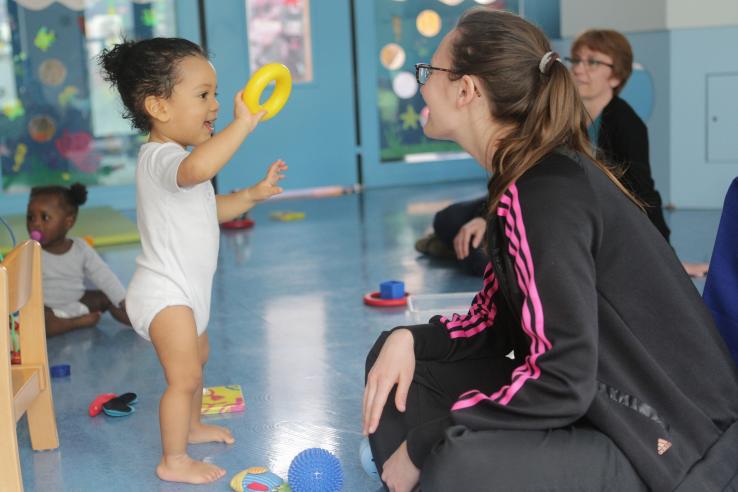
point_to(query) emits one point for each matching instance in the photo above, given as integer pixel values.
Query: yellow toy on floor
(222, 399)
(287, 216)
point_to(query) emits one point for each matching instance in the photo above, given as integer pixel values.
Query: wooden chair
(24, 388)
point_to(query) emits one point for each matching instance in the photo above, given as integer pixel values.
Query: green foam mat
(101, 226)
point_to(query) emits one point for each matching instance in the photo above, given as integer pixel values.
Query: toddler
(168, 90)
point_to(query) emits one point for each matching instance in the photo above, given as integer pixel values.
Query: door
(315, 131)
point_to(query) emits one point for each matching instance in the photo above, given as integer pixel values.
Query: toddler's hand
(269, 186)
(241, 112)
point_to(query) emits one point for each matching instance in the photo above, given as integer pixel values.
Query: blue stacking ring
(60, 371)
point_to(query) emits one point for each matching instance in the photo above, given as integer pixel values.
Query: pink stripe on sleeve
(481, 314)
(532, 316)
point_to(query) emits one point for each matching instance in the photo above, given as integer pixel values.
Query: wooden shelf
(26, 387)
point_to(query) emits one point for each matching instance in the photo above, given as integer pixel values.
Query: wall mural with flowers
(59, 121)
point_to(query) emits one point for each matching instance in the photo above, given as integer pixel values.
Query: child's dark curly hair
(139, 69)
(70, 197)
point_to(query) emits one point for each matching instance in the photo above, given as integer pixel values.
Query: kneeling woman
(588, 360)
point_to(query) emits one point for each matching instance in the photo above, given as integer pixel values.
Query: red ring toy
(373, 299)
(238, 224)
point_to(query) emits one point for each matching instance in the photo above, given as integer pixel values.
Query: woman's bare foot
(185, 469)
(209, 433)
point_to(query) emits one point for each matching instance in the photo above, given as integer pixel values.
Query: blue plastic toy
(392, 289)
(367, 460)
(60, 371)
(315, 470)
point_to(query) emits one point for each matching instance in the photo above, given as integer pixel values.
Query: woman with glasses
(601, 63)
(587, 361)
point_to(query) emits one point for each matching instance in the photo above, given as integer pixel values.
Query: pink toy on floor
(97, 404)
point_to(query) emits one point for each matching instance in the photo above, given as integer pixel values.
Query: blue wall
(546, 14)
(695, 53)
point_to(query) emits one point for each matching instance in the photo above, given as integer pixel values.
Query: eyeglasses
(589, 63)
(423, 72)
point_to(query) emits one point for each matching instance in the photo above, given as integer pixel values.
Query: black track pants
(452, 457)
(446, 225)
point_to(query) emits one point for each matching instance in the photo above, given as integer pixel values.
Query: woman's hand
(242, 113)
(394, 365)
(269, 186)
(398, 472)
(471, 232)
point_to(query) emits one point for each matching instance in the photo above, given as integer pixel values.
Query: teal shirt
(594, 131)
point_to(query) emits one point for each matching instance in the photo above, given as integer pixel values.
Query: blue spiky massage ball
(315, 470)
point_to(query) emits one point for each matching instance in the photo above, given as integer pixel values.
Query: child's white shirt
(180, 238)
(64, 276)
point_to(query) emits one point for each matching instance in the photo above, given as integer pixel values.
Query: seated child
(68, 262)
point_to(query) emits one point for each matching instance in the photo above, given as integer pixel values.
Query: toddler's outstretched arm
(238, 202)
(209, 157)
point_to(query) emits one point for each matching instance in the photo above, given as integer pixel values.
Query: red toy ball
(374, 299)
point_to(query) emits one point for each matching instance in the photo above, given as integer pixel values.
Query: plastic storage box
(422, 307)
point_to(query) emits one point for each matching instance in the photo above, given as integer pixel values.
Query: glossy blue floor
(287, 324)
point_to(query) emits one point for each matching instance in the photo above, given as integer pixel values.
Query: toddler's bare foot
(209, 433)
(185, 469)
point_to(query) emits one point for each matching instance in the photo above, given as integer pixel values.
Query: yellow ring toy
(252, 93)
